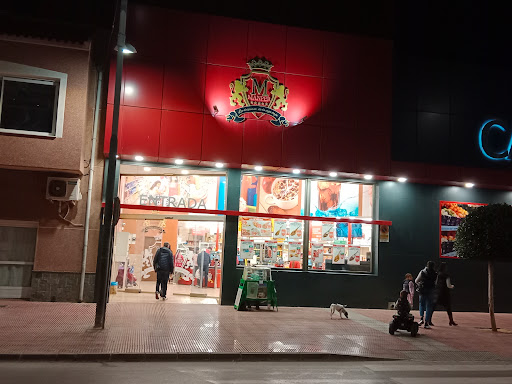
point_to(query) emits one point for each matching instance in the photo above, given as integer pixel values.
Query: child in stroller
(403, 319)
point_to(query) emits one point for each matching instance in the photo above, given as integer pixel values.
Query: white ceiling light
(147, 169)
(296, 171)
(402, 179)
(139, 158)
(333, 174)
(258, 168)
(469, 185)
(178, 161)
(368, 177)
(219, 165)
(184, 172)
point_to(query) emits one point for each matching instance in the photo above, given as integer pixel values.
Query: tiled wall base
(61, 286)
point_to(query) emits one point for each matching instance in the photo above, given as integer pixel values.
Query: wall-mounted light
(301, 120)
(139, 158)
(258, 168)
(469, 185)
(127, 49)
(368, 177)
(296, 171)
(219, 165)
(178, 161)
(215, 111)
(333, 174)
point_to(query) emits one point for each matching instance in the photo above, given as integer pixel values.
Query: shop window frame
(307, 208)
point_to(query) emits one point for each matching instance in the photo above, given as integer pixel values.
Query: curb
(152, 357)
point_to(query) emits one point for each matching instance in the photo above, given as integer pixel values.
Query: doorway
(139, 236)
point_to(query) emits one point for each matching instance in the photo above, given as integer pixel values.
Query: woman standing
(426, 282)
(443, 290)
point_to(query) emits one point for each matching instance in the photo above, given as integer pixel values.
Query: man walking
(203, 261)
(426, 281)
(163, 264)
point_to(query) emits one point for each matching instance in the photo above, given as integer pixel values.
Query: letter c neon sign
(490, 149)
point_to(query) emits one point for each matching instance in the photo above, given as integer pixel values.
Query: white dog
(340, 308)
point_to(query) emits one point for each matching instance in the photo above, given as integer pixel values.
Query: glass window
(274, 242)
(338, 199)
(274, 195)
(28, 106)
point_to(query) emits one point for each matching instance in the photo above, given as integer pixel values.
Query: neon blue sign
(495, 141)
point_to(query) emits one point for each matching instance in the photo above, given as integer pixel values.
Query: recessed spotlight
(139, 158)
(333, 174)
(258, 168)
(469, 185)
(402, 179)
(368, 177)
(184, 171)
(296, 171)
(178, 161)
(219, 165)
(147, 169)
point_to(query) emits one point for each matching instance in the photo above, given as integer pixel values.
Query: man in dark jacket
(203, 262)
(163, 264)
(426, 281)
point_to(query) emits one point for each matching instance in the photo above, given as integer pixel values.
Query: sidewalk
(189, 331)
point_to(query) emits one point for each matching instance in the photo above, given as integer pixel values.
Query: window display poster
(294, 251)
(270, 251)
(246, 249)
(338, 253)
(451, 215)
(256, 227)
(192, 191)
(280, 229)
(295, 230)
(282, 196)
(334, 199)
(315, 231)
(354, 255)
(384, 233)
(328, 231)
(317, 253)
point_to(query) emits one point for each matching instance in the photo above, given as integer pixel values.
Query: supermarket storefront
(311, 172)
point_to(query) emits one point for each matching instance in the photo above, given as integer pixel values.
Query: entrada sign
(495, 141)
(258, 93)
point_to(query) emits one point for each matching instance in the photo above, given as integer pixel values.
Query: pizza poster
(246, 249)
(354, 255)
(338, 253)
(294, 251)
(317, 253)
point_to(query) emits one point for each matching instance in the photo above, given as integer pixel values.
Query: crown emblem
(259, 64)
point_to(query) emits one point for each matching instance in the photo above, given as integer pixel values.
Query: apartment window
(28, 106)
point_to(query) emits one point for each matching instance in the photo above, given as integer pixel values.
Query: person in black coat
(426, 282)
(443, 291)
(163, 264)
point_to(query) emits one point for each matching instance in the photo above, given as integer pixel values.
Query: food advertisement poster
(295, 230)
(384, 233)
(294, 251)
(354, 255)
(192, 191)
(315, 231)
(338, 253)
(451, 215)
(273, 195)
(328, 229)
(270, 251)
(280, 229)
(334, 199)
(246, 249)
(256, 227)
(317, 253)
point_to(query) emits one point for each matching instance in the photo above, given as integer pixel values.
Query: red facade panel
(304, 52)
(262, 143)
(269, 41)
(222, 140)
(140, 132)
(180, 136)
(183, 88)
(217, 90)
(227, 43)
(143, 82)
(304, 99)
(301, 147)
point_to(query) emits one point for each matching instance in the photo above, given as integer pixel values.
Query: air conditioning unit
(63, 189)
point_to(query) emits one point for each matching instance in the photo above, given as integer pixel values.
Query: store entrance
(196, 242)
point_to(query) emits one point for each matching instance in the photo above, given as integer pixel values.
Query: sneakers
(156, 295)
(431, 324)
(427, 326)
(164, 298)
(421, 321)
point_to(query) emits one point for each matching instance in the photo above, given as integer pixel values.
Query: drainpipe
(91, 180)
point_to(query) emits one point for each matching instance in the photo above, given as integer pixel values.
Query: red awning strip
(253, 214)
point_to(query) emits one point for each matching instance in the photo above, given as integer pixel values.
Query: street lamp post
(105, 254)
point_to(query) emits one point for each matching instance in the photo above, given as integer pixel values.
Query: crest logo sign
(258, 93)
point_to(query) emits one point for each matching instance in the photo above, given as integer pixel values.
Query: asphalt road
(353, 372)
